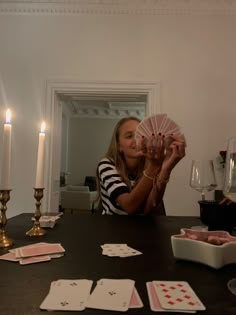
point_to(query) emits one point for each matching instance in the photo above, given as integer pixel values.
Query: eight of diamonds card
(177, 295)
(154, 301)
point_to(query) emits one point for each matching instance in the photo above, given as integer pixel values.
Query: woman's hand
(175, 151)
(153, 149)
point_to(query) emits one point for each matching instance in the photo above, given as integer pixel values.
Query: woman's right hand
(153, 149)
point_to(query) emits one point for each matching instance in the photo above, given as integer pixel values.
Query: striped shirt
(112, 186)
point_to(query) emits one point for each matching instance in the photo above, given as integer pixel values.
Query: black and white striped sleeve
(110, 179)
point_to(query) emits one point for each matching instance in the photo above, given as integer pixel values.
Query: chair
(90, 181)
(78, 198)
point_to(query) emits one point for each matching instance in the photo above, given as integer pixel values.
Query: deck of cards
(173, 296)
(119, 250)
(48, 221)
(34, 253)
(76, 295)
(156, 124)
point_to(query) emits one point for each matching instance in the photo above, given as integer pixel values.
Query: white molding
(117, 7)
(53, 113)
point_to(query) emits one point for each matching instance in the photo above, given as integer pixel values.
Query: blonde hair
(117, 157)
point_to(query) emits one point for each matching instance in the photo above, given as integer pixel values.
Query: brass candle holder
(36, 230)
(4, 198)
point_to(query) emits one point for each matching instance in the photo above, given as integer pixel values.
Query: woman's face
(127, 144)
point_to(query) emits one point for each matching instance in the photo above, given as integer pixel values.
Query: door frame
(53, 112)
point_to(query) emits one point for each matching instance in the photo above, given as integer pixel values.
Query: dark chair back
(90, 181)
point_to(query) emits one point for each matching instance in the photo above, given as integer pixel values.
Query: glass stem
(203, 196)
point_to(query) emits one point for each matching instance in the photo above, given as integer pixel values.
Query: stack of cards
(67, 295)
(173, 296)
(114, 295)
(48, 221)
(34, 253)
(119, 250)
(155, 124)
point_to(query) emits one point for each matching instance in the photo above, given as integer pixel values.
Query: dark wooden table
(23, 288)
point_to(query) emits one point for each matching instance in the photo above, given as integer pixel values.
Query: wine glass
(203, 177)
(229, 186)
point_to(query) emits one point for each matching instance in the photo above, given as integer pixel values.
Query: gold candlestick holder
(4, 198)
(36, 230)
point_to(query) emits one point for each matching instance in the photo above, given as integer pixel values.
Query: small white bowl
(193, 245)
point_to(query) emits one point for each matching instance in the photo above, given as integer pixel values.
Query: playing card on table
(154, 301)
(119, 250)
(177, 295)
(135, 300)
(111, 294)
(14, 250)
(40, 250)
(33, 260)
(38, 253)
(10, 257)
(67, 295)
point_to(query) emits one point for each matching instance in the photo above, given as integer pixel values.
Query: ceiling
(103, 105)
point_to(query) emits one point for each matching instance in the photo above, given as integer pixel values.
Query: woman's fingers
(155, 147)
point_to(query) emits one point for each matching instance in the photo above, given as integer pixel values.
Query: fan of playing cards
(156, 124)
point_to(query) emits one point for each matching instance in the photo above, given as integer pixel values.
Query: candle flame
(43, 127)
(8, 116)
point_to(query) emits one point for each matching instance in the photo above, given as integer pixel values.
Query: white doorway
(56, 89)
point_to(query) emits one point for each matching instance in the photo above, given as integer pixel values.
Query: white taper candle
(6, 153)
(39, 182)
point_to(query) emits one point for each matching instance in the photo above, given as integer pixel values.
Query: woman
(132, 178)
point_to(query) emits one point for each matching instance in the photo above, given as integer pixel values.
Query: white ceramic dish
(194, 245)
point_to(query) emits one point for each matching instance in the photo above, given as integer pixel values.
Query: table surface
(23, 288)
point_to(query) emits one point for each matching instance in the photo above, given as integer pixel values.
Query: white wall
(191, 55)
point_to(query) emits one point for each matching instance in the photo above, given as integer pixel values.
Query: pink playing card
(33, 260)
(135, 301)
(9, 257)
(41, 250)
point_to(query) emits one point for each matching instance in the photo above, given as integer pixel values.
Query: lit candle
(39, 182)
(6, 153)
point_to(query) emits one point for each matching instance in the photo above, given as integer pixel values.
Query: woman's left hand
(174, 152)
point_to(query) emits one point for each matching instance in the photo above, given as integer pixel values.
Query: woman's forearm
(133, 201)
(155, 197)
